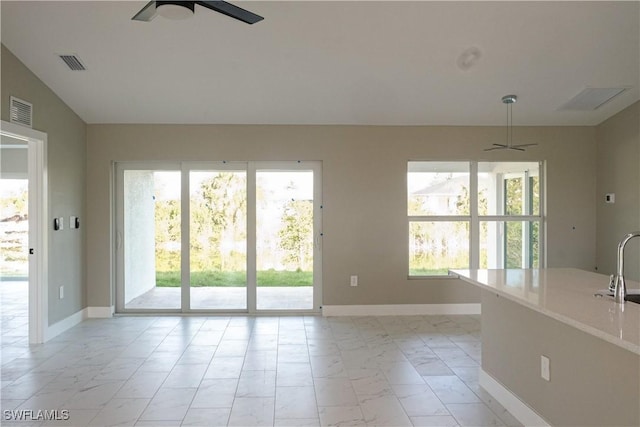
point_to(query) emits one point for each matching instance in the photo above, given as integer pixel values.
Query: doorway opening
(23, 234)
(14, 240)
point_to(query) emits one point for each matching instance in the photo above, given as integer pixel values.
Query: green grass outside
(428, 272)
(236, 278)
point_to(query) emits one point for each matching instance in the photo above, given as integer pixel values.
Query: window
(473, 215)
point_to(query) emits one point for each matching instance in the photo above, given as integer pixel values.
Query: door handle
(30, 251)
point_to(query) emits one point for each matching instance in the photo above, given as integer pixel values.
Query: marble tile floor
(247, 371)
(14, 313)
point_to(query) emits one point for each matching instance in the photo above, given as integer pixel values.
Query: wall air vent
(20, 112)
(73, 62)
(592, 98)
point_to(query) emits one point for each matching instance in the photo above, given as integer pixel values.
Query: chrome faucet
(620, 288)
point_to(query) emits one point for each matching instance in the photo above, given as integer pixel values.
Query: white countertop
(567, 295)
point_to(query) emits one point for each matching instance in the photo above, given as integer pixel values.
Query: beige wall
(364, 170)
(66, 136)
(618, 170)
(364, 189)
(593, 382)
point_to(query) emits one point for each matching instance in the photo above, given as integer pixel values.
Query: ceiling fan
(173, 9)
(509, 100)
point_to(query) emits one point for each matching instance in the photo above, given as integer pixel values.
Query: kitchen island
(592, 344)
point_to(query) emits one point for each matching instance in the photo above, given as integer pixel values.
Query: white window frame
(474, 219)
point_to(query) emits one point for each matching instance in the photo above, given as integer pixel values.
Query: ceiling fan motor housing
(173, 9)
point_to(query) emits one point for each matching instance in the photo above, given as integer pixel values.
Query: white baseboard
(399, 309)
(512, 403)
(63, 325)
(100, 312)
(77, 317)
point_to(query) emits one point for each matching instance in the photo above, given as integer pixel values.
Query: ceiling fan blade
(147, 13)
(509, 147)
(231, 10)
(497, 147)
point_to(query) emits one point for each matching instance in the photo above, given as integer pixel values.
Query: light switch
(545, 368)
(610, 198)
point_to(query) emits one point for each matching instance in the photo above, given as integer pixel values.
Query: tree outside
(218, 233)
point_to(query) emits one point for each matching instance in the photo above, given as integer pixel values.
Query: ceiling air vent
(20, 112)
(592, 98)
(73, 62)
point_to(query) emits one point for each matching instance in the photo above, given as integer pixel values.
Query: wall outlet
(61, 292)
(610, 198)
(545, 369)
(354, 280)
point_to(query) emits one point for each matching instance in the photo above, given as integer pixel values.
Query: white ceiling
(332, 62)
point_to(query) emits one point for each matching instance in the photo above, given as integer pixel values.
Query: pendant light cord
(509, 124)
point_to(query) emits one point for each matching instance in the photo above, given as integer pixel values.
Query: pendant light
(509, 100)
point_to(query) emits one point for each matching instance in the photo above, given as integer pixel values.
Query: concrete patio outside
(227, 298)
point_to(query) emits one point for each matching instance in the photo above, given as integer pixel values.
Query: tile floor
(245, 371)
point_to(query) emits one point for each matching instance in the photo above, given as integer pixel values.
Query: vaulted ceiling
(333, 62)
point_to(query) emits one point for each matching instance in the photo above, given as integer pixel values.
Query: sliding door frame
(251, 169)
(185, 269)
(120, 237)
(316, 167)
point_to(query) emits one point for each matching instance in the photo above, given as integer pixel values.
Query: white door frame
(38, 230)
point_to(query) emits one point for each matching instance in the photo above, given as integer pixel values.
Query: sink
(631, 297)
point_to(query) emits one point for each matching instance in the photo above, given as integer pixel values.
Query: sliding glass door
(218, 237)
(285, 238)
(149, 238)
